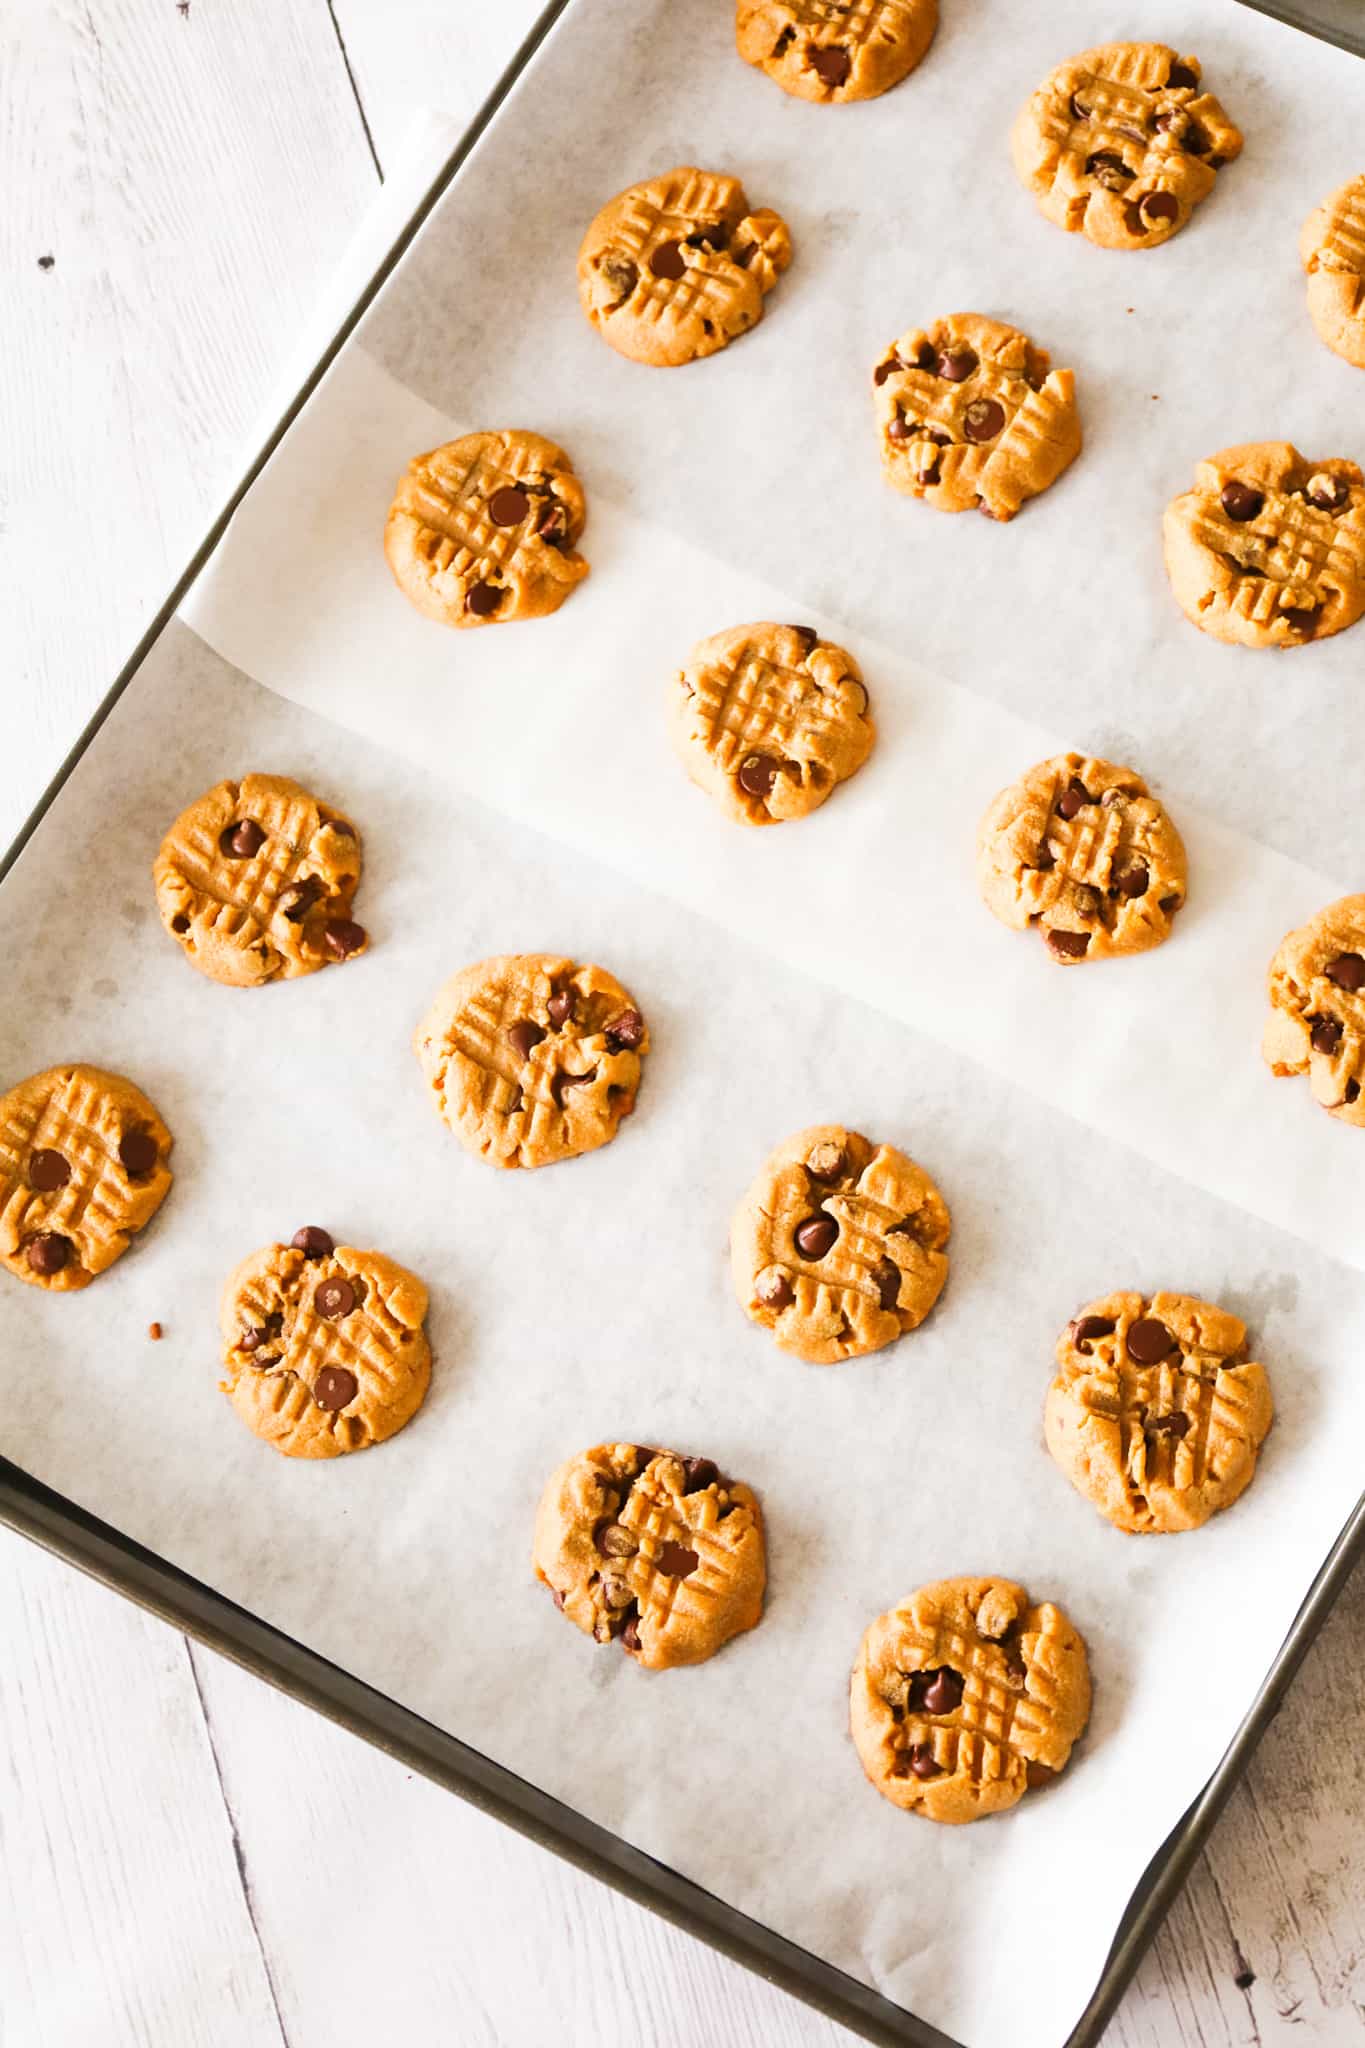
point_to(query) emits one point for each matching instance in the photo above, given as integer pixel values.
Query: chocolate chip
(559, 1009)
(1167, 1425)
(1073, 798)
(341, 828)
(668, 261)
(921, 1759)
(614, 1539)
(334, 1299)
(312, 1242)
(1159, 206)
(1300, 618)
(1068, 945)
(1150, 1342)
(1087, 1330)
(943, 1692)
(1196, 143)
(677, 1561)
(928, 477)
(1180, 77)
(48, 1252)
(1170, 903)
(887, 1275)
(1352, 1092)
(698, 1474)
(335, 1388)
(826, 1162)
(630, 1634)
(714, 237)
(483, 600)
(626, 1032)
(956, 364)
(1328, 493)
(508, 506)
(774, 1289)
(1088, 901)
(757, 774)
(983, 420)
(343, 937)
(1240, 501)
(831, 66)
(899, 429)
(621, 274)
(180, 924)
(241, 840)
(816, 1236)
(1347, 971)
(296, 903)
(808, 637)
(1216, 162)
(1132, 881)
(1326, 1035)
(1078, 111)
(523, 1037)
(137, 1153)
(48, 1171)
(1107, 168)
(887, 369)
(1043, 860)
(252, 1340)
(561, 1083)
(1036, 1774)
(554, 527)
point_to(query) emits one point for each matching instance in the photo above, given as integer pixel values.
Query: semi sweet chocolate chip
(757, 774)
(921, 1758)
(1167, 1425)
(1328, 493)
(1347, 971)
(524, 1036)
(312, 1242)
(808, 637)
(1088, 901)
(483, 600)
(1073, 798)
(561, 1084)
(1326, 1036)
(343, 937)
(614, 1539)
(816, 1236)
(677, 1561)
(334, 1299)
(668, 261)
(239, 841)
(1159, 206)
(1132, 881)
(983, 420)
(626, 1032)
(48, 1252)
(335, 1388)
(1352, 1092)
(554, 526)
(48, 1171)
(1300, 618)
(774, 1290)
(887, 1275)
(1170, 904)
(252, 1340)
(1181, 77)
(559, 1009)
(899, 429)
(956, 364)
(1087, 1330)
(1240, 501)
(1079, 111)
(137, 1153)
(630, 1634)
(1107, 168)
(698, 1474)
(508, 506)
(713, 237)
(944, 1691)
(886, 369)
(621, 274)
(1150, 1342)
(826, 1162)
(831, 66)
(1036, 1774)
(296, 903)
(1070, 945)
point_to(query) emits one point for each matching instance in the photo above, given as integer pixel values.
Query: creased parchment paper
(1107, 1127)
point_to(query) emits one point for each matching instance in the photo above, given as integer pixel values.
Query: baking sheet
(572, 1305)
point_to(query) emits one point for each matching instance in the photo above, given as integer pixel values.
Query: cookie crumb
(46, 262)
(182, 8)
(1244, 1979)
(154, 1332)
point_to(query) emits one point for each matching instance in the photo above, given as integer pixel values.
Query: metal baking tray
(102, 1551)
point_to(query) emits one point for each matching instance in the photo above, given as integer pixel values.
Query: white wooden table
(187, 1858)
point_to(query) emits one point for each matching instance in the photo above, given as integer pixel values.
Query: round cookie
(1121, 143)
(532, 1058)
(677, 266)
(769, 719)
(966, 1696)
(835, 50)
(256, 882)
(971, 416)
(659, 1551)
(485, 529)
(1316, 1024)
(323, 1346)
(1268, 549)
(1082, 849)
(1155, 1415)
(839, 1246)
(82, 1168)
(1332, 250)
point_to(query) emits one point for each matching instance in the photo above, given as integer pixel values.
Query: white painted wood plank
(409, 54)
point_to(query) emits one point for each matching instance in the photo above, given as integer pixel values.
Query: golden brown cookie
(256, 881)
(769, 720)
(1122, 143)
(82, 1168)
(1268, 549)
(839, 1246)
(1082, 849)
(965, 1697)
(532, 1057)
(659, 1551)
(1316, 1024)
(835, 49)
(1332, 250)
(677, 266)
(323, 1346)
(1155, 1414)
(971, 416)
(485, 529)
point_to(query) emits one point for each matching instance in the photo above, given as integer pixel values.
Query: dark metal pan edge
(1341, 22)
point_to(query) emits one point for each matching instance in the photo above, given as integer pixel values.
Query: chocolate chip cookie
(485, 529)
(323, 1346)
(1268, 549)
(256, 882)
(972, 416)
(967, 1696)
(82, 1168)
(769, 720)
(839, 1245)
(661, 1553)
(1332, 250)
(532, 1057)
(676, 267)
(1082, 849)
(1316, 1024)
(835, 49)
(1156, 1415)
(1121, 144)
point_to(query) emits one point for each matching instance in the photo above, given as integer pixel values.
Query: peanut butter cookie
(1122, 143)
(972, 416)
(82, 1168)
(835, 49)
(1268, 549)
(485, 529)
(839, 1245)
(769, 720)
(660, 1552)
(1316, 1024)
(677, 266)
(532, 1058)
(256, 882)
(966, 1696)
(1332, 250)
(1082, 849)
(323, 1346)
(1155, 1414)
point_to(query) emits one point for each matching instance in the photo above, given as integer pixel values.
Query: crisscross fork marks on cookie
(247, 891)
(531, 1090)
(450, 501)
(66, 1121)
(1289, 545)
(976, 1738)
(857, 21)
(645, 225)
(648, 1515)
(757, 701)
(1342, 246)
(82, 1168)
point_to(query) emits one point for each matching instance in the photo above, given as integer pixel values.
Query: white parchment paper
(1089, 1129)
